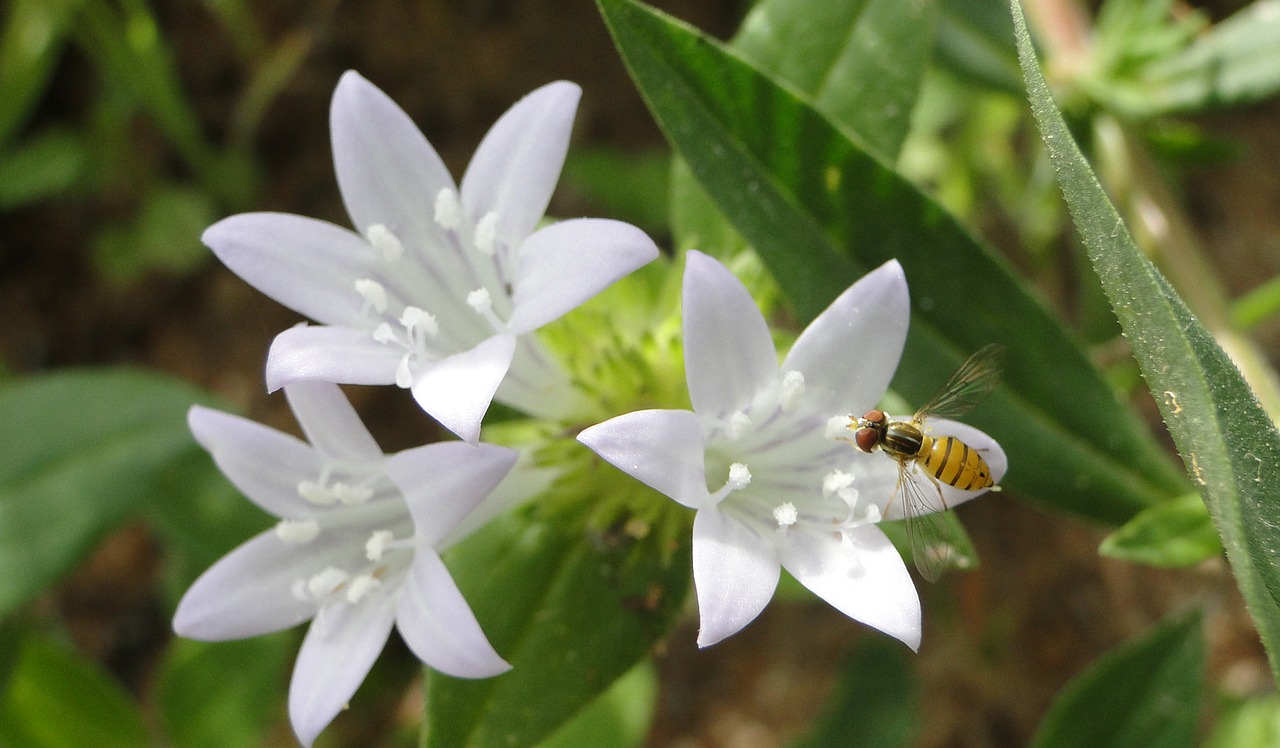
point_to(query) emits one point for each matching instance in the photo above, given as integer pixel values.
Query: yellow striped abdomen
(954, 463)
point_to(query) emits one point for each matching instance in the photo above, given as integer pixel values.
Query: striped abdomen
(954, 463)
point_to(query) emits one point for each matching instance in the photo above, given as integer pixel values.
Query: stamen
(385, 242)
(738, 425)
(739, 476)
(316, 493)
(487, 234)
(384, 334)
(360, 587)
(404, 373)
(448, 211)
(837, 428)
(297, 531)
(416, 320)
(377, 544)
(326, 582)
(349, 494)
(374, 295)
(792, 389)
(786, 515)
(480, 300)
(839, 483)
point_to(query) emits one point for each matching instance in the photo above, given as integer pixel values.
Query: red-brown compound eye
(866, 438)
(874, 416)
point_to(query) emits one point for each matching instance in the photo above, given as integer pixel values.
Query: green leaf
(34, 32)
(1251, 723)
(860, 62)
(821, 212)
(571, 608)
(1236, 62)
(46, 164)
(1230, 446)
(87, 448)
(618, 718)
(1174, 533)
(163, 237)
(57, 699)
(875, 701)
(222, 695)
(1145, 692)
(975, 40)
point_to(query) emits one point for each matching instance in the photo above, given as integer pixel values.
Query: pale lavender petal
(309, 266)
(443, 482)
(438, 625)
(661, 448)
(387, 171)
(526, 481)
(566, 263)
(336, 655)
(728, 353)
(865, 579)
(330, 354)
(849, 353)
(330, 423)
(457, 390)
(516, 166)
(264, 464)
(248, 592)
(735, 572)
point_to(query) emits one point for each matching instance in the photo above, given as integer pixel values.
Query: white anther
(385, 242)
(326, 582)
(384, 334)
(872, 515)
(480, 300)
(349, 494)
(837, 427)
(316, 493)
(739, 476)
(792, 389)
(487, 234)
(417, 320)
(839, 483)
(738, 425)
(786, 514)
(448, 211)
(377, 544)
(297, 531)
(373, 293)
(361, 586)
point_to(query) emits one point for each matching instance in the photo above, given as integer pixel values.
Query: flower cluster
(437, 290)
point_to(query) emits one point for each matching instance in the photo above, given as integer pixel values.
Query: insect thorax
(902, 439)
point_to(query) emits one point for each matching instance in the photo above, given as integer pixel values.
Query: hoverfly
(939, 460)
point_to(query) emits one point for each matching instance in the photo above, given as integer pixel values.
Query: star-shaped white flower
(438, 282)
(764, 457)
(356, 549)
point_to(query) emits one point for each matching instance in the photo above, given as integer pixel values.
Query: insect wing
(968, 386)
(923, 507)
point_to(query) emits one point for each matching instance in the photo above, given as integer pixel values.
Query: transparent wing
(926, 533)
(967, 387)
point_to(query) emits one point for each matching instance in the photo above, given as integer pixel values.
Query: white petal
(443, 482)
(456, 391)
(849, 353)
(330, 354)
(728, 352)
(661, 448)
(524, 482)
(330, 423)
(735, 572)
(388, 173)
(336, 655)
(309, 266)
(247, 592)
(515, 168)
(438, 625)
(264, 464)
(866, 580)
(566, 263)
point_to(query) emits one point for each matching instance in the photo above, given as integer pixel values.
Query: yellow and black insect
(939, 460)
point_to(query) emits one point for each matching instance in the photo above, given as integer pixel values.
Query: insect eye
(866, 438)
(873, 417)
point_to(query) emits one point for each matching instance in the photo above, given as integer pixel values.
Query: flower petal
(330, 354)
(443, 482)
(247, 592)
(309, 266)
(438, 625)
(735, 572)
(516, 166)
(457, 390)
(849, 353)
(336, 655)
(728, 352)
(661, 448)
(264, 464)
(866, 579)
(330, 423)
(387, 171)
(566, 263)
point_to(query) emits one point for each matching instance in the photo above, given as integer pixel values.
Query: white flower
(356, 548)
(772, 483)
(438, 283)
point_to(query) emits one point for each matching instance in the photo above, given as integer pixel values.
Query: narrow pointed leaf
(1173, 533)
(1145, 692)
(1230, 446)
(821, 212)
